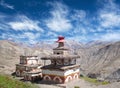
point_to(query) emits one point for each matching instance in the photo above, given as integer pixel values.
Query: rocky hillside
(10, 52)
(101, 60)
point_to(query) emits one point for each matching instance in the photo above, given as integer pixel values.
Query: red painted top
(60, 39)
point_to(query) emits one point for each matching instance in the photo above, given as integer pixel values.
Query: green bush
(105, 82)
(76, 87)
(81, 75)
(8, 82)
(95, 81)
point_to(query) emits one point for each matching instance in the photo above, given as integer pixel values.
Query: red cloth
(60, 39)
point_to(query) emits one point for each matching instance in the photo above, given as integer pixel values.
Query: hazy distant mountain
(10, 52)
(101, 59)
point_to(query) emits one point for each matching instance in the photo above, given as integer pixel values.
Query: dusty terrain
(78, 83)
(10, 52)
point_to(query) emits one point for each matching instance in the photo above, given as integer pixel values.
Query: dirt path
(80, 83)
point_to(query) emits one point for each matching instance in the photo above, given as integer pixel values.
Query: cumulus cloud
(110, 20)
(78, 38)
(78, 15)
(26, 37)
(52, 34)
(32, 37)
(109, 15)
(81, 23)
(2, 3)
(78, 24)
(85, 26)
(30, 31)
(25, 23)
(58, 20)
(115, 36)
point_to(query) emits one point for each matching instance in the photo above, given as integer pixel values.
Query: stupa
(63, 67)
(29, 68)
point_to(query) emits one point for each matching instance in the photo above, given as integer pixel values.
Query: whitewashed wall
(71, 71)
(32, 60)
(60, 73)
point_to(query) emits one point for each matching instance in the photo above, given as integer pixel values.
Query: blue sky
(32, 21)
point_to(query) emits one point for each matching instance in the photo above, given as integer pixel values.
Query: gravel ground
(112, 85)
(80, 83)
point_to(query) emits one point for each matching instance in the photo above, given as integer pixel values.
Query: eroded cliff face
(98, 59)
(101, 60)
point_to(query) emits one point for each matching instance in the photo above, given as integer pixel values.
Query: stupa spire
(60, 41)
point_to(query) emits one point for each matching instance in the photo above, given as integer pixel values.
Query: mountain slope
(102, 60)
(10, 52)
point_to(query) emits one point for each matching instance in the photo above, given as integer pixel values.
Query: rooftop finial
(60, 41)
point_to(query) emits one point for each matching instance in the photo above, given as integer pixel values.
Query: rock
(115, 76)
(93, 75)
(2, 67)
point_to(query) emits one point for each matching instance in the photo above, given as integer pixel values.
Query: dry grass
(94, 81)
(8, 82)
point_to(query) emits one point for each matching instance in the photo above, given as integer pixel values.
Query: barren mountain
(10, 52)
(101, 60)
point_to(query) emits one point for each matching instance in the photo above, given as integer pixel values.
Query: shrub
(81, 75)
(76, 87)
(95, 81)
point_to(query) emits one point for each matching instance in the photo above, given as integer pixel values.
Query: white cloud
(79, 29)
(26, 37)
(78, 15)
(110, 37)
(52, 34)
(24, 23)
(32, 37)
(84, 26)
(109, 15)
(110, 20)
(81, 38)
(59, 21)
(2, 3)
